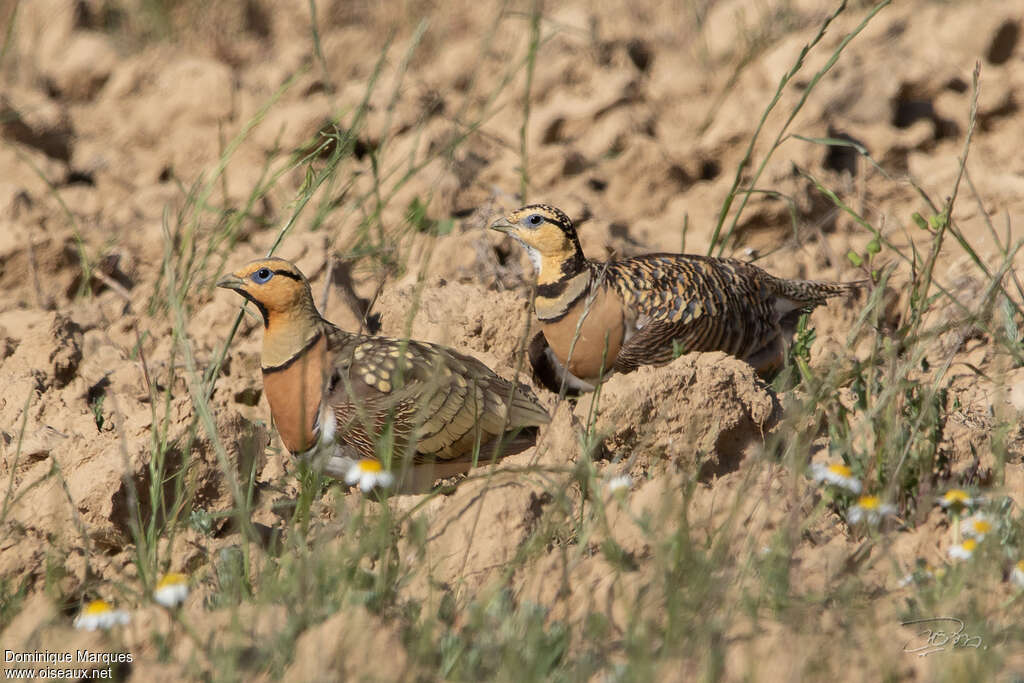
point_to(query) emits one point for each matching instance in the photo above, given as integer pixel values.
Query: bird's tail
(815, 292)
(525, 411)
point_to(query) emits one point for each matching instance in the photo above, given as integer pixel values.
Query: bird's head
(547, 234)
(275, 285)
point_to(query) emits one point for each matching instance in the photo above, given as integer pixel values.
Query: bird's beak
(231, 281)
(502, 225)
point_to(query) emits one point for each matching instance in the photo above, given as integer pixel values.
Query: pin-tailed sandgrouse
(333, 394)
(643, 310)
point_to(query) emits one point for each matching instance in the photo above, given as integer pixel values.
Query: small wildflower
(924, 572)
(963, 551)
(623, 482)
(912, 577)
(837, 475)
(957, 499)
(1017, 574)
(869, 509)
(369, 474)
(976, 526)
(171, 590)
(99, 614)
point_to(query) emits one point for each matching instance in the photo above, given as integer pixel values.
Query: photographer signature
(932, 638)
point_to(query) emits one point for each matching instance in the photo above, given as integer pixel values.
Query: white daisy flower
(957, 499)
(623, 482)
(836, 475)
(171, 590)
(369, 474)
(976, 526)
(963, 551)
(1017, 574)
(924, 572)
(869, 509)
(99, 614)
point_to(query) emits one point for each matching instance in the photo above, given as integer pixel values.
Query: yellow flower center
(981, 526)
(172, 579)
(969, 545)
(1020, 565)
(370, 466)
(841, 470)
(96, 607)
(869, 502)
(957, 496)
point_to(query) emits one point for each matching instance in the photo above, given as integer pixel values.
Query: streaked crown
(543, 228)
(534, 216)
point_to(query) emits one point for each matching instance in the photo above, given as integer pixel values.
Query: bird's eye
(262, 275)
(535, 219)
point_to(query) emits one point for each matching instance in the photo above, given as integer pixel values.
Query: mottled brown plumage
(336, 396)
(619, 315)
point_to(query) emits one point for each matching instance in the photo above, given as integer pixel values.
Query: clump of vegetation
(861, 443)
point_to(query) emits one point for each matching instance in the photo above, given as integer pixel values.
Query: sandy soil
(636, 129)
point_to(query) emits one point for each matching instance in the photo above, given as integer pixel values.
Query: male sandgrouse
(333, 394)
(643, 310)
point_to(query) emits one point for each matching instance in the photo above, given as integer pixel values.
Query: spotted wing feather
(707, 304)
(440, 400)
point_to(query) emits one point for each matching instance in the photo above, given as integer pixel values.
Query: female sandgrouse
(333, 394)
(646, 309)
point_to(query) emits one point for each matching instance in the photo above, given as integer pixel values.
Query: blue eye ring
(535, 219)
(262, 275)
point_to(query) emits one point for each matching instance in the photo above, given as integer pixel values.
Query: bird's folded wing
(440, 400)
(653, 343)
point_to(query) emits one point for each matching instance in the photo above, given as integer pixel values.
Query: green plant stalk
(719, 242)
(531, 62)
